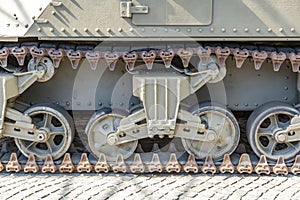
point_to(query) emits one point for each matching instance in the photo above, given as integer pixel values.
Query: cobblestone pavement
(160, 186)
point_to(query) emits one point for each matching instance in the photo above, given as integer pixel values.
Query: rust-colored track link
(240, 54)
(244, 166)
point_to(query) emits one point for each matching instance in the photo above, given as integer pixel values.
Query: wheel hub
(43, 134)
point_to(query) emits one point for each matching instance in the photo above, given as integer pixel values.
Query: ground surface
(160, 186)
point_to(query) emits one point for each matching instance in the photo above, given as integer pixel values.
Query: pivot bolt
(211, 136)
(281, 137)
(112, 139)
(41, 137)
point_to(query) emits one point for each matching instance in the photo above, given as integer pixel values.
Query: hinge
(127, 9)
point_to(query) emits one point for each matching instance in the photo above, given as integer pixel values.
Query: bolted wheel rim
(224, 125)
(263, 126)
(98, 129)
(57, 128)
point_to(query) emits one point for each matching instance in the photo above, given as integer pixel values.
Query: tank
(123, 79)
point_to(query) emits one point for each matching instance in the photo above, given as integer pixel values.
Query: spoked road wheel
(223, 123)
(101, 124)
(57, 126)
(262, 126)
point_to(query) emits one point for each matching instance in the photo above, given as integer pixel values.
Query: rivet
(67, 103)
(285, 98)
(212, 29)
(131, 29)
(188, 30)
(121, 104)
(246, 29)
(97, 29)
(53, 12)
(258, 30)
(108, 29)
(39, 29)
(142, 29)
(7, 25)
(286, 88)
(269, 30)
(246, 104)
(200, 30)
(74, 29)
(17, 25)
(166, 30)
(256, 104)
(51, 29)
(236, 104)
(89, 103)
(33, 17)
(100, 103)
(223, 30)
(154, 29)
(62, 30)
(292, 29)
(120, 29)
(177, 29)
(86, 29)
(234, 30)
(280, 29)
(78, 103)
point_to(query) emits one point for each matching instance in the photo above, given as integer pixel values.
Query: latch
(127, 9)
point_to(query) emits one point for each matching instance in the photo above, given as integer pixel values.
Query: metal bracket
(127, 9)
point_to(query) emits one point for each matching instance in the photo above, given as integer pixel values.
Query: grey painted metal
(205, 20)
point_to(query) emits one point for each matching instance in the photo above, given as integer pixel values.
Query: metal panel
(174, 12)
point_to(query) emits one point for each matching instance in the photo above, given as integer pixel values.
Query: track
(170, 160)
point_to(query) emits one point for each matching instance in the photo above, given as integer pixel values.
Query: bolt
(112, 139)
(211, 136)
(74, 29)
(269, 30)
(86, 29)
(53, 12)
(154, 129)
(108, 29)
(62, 30)
(154, 29)
(188, 30)
(212, 30)
(51, 29)
(200, 30)
(292, 29)
(258, 30)
(177, 29)
(234, 30)
(223, 30)
(39, 29)
(120, 29)
(131, 29)
(280, 29)
(97, 29)
(246, 29)
(281, 138)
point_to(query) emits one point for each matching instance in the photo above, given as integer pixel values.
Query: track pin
(31, 165)
(204, 55)
(185, 55)
(167, 56)
(155, 148)
(295, 61)
(49, 165)
(13, 164)
(37, 54)
(191, 165)
(277, 59)
(245, 165)
(209, 165)
(111, 59)
(130, 59)
(4, 52)
(137, 165)
(222, 55)
(20, 54)
(173, 165)
(74, 57)
(84, 164)
(259, 57)
(66, 165)
(56, 56)
(120, 165)
(280, 168)
(226, 166)
(102, 165)
(240, 56)
(295, 169)
(155, 164)
(262, 166)
(93, 58)
(149, 58)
